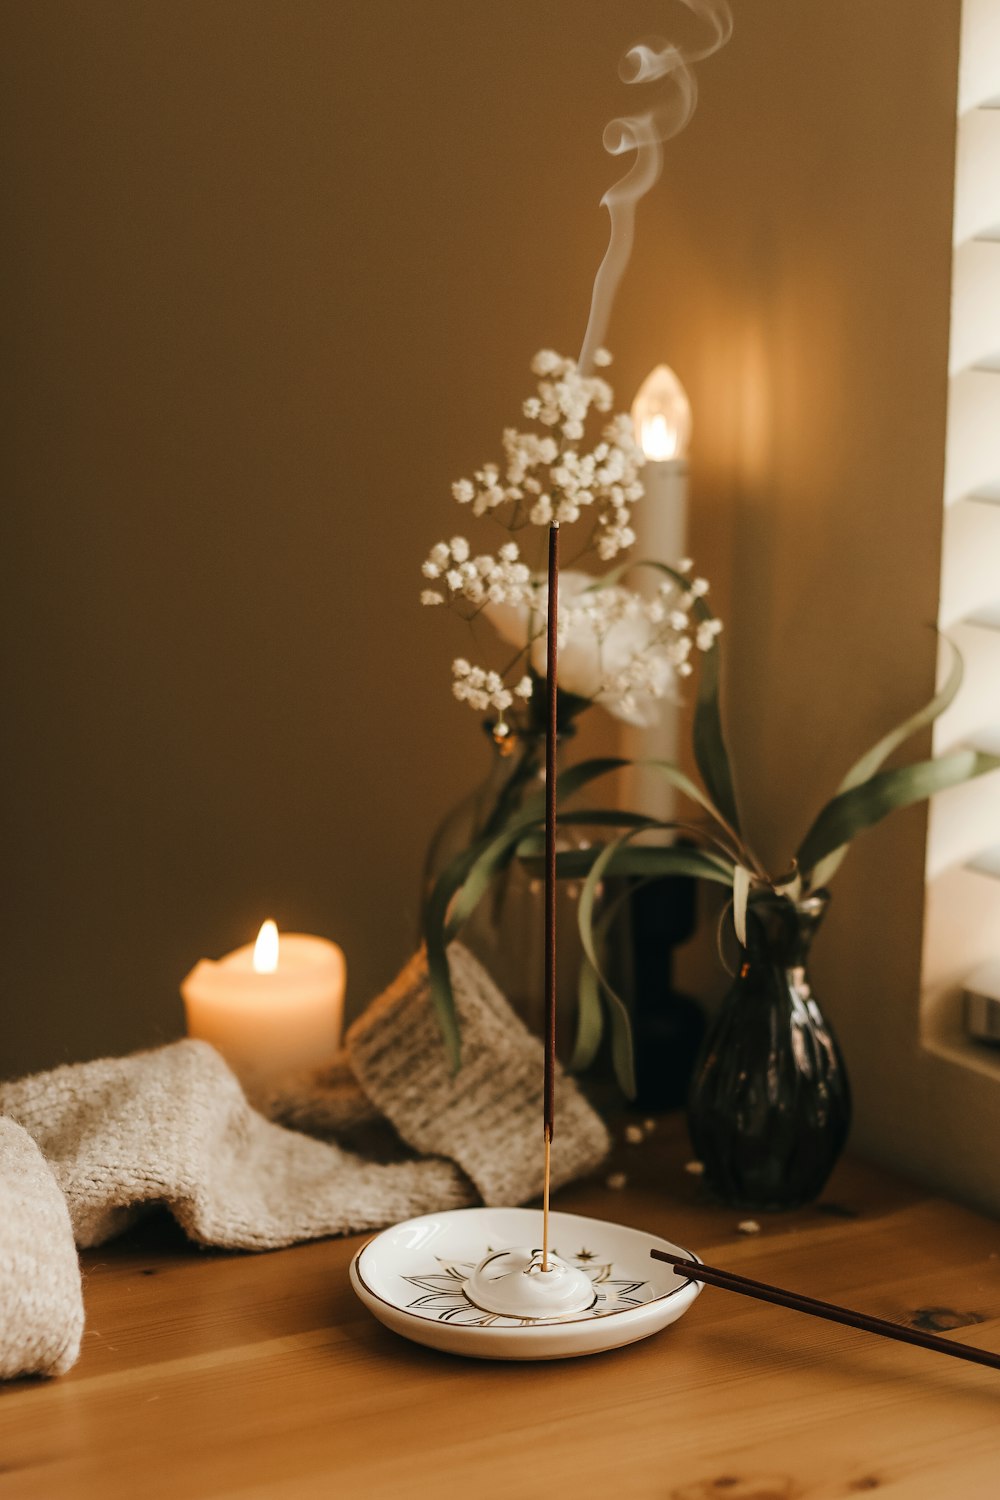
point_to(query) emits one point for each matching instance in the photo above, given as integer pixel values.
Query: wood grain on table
(263, 1378)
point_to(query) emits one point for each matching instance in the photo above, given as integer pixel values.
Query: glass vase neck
(780, 931)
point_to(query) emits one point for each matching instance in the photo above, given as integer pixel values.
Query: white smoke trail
(644, 134)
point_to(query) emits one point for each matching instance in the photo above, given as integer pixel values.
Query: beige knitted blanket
(84, 1149)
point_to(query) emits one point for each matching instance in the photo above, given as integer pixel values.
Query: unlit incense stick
(730, 1281)
(551, 733)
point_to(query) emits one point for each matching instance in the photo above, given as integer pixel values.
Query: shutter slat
(963, 822)
(972, 451)
(987, 862)
(975, 307)
(974, 717)
(971, 567)
(977, 181)
(979, 61)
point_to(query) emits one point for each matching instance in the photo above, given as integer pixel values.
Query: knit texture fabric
(487, 1117)
(41, 1303)
(173, 1126)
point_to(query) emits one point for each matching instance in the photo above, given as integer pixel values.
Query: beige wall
(273, 273)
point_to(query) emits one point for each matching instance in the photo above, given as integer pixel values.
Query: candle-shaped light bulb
(265, 949)
(661, 416)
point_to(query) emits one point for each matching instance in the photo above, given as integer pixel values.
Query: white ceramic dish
(412, 1275)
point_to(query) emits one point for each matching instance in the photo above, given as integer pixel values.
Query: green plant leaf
(618, 858)
(589, 1020)
(490, 858)
(621, 1027)
(456, 894)
(710, 751)
(791, 889)
(531, 847)
(741, 895)
(571, 863)
(463, 884)
(647, 861)
(590, 1014)
(863, 806)
(436, 942)
(622, 1048)
(880, 752)
(575, 778)
(579, 776)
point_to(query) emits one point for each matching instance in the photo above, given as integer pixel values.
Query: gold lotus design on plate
(442, 1296)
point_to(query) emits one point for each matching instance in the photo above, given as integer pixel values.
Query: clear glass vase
(770, 1106)
(506, 932)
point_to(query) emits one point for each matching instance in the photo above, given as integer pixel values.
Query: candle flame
(661, 415)
(265, 951)
(658, 442)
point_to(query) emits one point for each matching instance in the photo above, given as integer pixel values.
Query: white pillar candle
(270, 1007)
(661, 415)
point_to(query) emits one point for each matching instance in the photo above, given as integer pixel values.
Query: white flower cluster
(470, 582)
(483, 690)
(547, 476)
(619, 648)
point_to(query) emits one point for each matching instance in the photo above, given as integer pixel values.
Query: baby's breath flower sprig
(484, 690)
(547, 476)
(469, 583)
(622, 649)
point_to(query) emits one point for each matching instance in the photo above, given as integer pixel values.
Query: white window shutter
(963, 851)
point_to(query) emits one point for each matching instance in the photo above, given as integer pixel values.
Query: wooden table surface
(215, 1375)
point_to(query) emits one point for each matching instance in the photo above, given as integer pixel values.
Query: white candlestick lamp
(661, 415)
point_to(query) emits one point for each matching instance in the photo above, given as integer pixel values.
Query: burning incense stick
(551, 733)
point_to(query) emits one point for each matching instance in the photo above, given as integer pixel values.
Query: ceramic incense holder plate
(412, 1277)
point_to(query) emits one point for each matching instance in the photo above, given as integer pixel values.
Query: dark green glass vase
(770, 1105)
